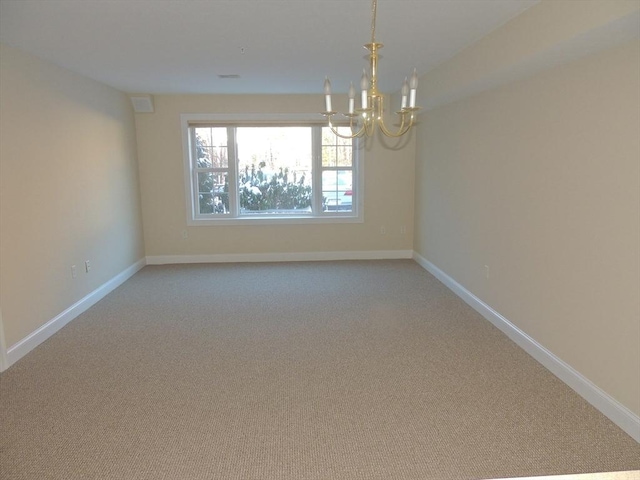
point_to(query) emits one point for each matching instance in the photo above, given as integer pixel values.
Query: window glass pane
(203, 136)
(213, 192)
(344, 141)
(219, 157)
(328, 156)
(221, 203)
(344, 156)
(205, 202)
(274, 170)
(336, 151)
(205, 182)
(204, 156)
(337, 191)
(328, 137)
(211, 147)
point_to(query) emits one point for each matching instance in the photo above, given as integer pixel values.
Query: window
(287, 171)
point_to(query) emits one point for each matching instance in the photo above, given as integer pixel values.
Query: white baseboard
(606, 404)
(31, 341)
(4, 363)
(610, 407)
(280, 257)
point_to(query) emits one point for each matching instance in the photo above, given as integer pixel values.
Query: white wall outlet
(383, 231)
(403, 230)
(486, 272)
(185, 234)
(87, 266)
(74, 271)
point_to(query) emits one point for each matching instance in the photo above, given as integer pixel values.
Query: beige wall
(539, 180)
(388, 188)
(547, 34)
(69, 189)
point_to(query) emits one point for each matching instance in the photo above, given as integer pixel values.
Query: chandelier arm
(404, 127)
(380, 117)
(369, 125)
(347, 137)
(353, 125)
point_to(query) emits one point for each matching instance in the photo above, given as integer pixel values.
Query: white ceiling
(276, 46)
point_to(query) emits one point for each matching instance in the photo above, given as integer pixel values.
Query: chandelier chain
(374, 7)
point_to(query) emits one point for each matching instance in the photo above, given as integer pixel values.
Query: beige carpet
(336, 370)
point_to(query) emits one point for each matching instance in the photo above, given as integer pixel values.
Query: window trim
(231, 120)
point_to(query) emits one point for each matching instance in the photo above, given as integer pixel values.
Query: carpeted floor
(320, 370)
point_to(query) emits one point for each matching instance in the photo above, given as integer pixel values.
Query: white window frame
(238, 120)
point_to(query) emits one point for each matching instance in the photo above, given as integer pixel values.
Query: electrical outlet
(185, 234)
(403, 230)
(383, 230)
(486, 272)
(87, 266)
(74, 271)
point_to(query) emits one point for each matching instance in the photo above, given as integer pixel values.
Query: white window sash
(233, 217)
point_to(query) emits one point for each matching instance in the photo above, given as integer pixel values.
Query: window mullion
(316, 159)
(232, 150)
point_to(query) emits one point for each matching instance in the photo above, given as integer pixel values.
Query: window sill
(284, 220)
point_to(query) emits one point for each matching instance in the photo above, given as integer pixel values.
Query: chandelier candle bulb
(404, 92)
(364, 85)
(352, 98)
(327, 93)
(413, 85)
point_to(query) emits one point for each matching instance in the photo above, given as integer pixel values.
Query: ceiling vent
(229, 75)
(142, 103)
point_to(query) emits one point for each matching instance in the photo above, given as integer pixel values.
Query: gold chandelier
(371, 112)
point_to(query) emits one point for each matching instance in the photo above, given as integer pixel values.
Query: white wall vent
(142, 103)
